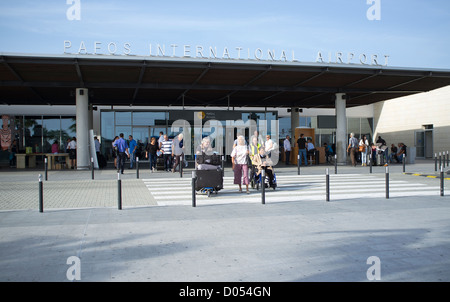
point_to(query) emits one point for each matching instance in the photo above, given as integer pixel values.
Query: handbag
(362, 148)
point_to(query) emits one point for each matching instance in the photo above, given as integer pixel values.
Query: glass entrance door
(420, 143)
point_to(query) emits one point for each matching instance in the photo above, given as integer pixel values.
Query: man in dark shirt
(301, 143)
(122, 149)
(402, 152)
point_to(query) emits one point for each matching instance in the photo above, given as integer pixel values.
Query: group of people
(255, 157)
(305, 148)
(170, 150)
(364, 148)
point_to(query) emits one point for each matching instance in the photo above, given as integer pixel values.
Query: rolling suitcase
(160, 163)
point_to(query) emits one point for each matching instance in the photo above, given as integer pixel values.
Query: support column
(82, 103)
(91, 117)
(295, 121)
(341, 128)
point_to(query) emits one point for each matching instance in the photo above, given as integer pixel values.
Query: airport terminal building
(47, 98)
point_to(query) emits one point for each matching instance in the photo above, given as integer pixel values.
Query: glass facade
(146, 124)
(359, 126)
(39, 132)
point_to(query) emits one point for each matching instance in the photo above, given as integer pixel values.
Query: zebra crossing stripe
(290, 188)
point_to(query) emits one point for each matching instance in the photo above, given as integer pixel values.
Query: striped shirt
(166, 146)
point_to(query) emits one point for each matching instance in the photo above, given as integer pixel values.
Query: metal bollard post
(137, 167)
(404, 163)
(435, 162)
(298, 164)
(223, 162)
(46, 168)
(335, 164)
(194, 180)
(387, 182)
(41, 194)
(440, 160)
(443, 159)
(92, 167)
(370, 164)
(448, 160)
(181, 166)
(442, 181)
(328, 184)
(263, 186)
(119, 192)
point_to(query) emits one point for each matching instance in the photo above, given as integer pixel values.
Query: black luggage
(213, 159)
(209, 179)
(160, 163)
(101, 161)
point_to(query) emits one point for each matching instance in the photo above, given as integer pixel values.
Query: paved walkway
(231, 238)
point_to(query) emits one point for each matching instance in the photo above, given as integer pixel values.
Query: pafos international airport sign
(225, 53)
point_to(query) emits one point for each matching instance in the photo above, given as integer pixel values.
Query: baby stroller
(209, 174)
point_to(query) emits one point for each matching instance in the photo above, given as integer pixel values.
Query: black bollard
(327, 184)
(223, 162)
(404, 163)
(92, 167)
(448, 160)
(137, 167)
(46, 168)
(387, 182)
(435, 162)
(181, 166)
(298, 164)
(335, 164)
(370, 163)
(443, 159)
(194, 180)
(119, 192)
(263, 186)
(440, 160)
(41, 194)
(442, 181)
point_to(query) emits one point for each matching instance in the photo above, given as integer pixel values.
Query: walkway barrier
(387, 182)
(194, 180)
(46, 168)
(119, 192)
(327, 179)
(41, 194)
(137, 167)
(92, 167)
(263, 186)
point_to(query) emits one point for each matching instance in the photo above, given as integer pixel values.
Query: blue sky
(413, 33)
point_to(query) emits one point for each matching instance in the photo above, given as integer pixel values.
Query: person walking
(352, 147)
(122, 151)
(178, 151)
(132, 150)
(363, 148)
(166, 149)
(287, 150)
(114, 151)
(301, 144)
(239, 159)
(72, 148)
(150, 152)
